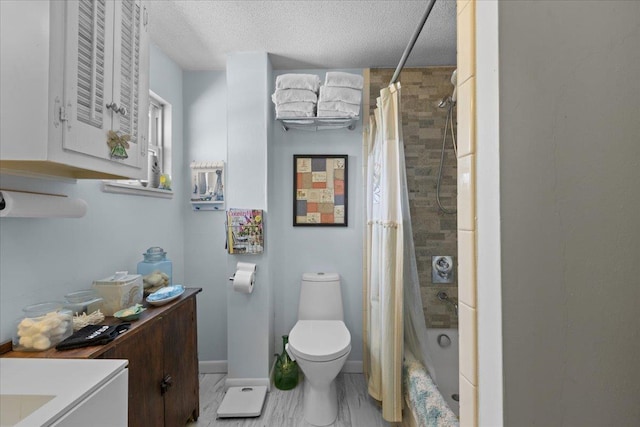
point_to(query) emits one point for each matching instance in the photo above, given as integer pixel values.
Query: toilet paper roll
(243, 281)
(246, 266)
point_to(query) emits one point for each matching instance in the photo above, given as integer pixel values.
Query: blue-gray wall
(43, 259)
(205, 135)
(310, 249)
(292, 250)
(249, 316)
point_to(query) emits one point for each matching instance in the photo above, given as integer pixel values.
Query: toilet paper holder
(244, 277)
(242, 266)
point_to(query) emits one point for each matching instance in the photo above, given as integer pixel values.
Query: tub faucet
(442, 296)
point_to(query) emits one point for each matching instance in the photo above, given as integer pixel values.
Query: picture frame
(320, 190)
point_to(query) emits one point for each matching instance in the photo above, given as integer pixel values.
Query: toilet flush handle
(286, 347)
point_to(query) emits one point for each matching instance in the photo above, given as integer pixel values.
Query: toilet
(320, 343)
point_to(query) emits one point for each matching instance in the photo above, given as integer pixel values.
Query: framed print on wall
(320, 190)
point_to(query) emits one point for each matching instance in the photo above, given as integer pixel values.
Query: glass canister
(43, 326)
(285, 375)
(155, 268)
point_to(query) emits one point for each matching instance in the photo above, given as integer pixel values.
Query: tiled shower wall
(423, 123)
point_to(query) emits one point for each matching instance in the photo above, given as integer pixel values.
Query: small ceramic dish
(165, 295)
(129, 314)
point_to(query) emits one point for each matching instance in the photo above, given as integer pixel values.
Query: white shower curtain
(385, 259)
(392, 304)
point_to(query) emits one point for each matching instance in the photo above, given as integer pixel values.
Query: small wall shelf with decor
(318, 123)
(207, 186)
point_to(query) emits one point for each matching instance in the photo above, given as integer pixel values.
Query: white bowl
(173, 293)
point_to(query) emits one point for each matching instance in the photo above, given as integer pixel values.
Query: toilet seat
(320, 340)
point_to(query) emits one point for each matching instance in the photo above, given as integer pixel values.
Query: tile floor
(284, 408)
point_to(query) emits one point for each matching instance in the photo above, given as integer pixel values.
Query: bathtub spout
(442, 296)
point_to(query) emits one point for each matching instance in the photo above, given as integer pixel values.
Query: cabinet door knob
(167, 381)
(120, 110)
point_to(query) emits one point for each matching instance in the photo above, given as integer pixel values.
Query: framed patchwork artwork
(320, 190)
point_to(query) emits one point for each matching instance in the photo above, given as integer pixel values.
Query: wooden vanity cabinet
(162, 352)
(146, 370)
(163, 369)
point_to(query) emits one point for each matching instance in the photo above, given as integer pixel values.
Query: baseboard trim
(247, 382)
(272, 373)
(352, 367)
(220, 367)
(213, 366)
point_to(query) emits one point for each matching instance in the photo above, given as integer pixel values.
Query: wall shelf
(204, 205)
(318, 123)
(207, 185)
(135, 188)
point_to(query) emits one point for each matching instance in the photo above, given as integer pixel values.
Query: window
(156, 134)
(159, 135)
(159, 153)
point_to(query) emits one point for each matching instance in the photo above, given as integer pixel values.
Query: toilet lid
(320, 340)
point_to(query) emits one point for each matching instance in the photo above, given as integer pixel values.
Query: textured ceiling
(299, 34)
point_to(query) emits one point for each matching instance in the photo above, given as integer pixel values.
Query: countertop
(151, 314)
(68, 380)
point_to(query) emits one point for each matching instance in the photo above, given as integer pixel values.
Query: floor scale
(242, 402)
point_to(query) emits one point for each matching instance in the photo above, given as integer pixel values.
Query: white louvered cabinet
(71, 72)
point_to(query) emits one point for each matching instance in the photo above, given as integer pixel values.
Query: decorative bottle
(154, 172)
(218, 191)
(286, 370)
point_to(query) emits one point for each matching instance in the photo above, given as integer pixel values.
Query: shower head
(454, 82)
(451, 100)
(444, 102)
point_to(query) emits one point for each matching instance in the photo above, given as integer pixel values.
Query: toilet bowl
(320, 342)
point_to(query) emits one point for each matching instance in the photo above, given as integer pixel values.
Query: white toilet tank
(320, 297)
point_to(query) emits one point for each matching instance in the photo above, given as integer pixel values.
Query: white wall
(569, 168)
(489, 285)
(43, 259)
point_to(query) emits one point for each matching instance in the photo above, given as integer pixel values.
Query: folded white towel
(298, 81)
(341, 79)
(282, 96)
(343, 107)
(332, 113)
(304, 107)
(292, 114)
(344, 94)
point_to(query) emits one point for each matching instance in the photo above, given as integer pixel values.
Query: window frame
(136, 187)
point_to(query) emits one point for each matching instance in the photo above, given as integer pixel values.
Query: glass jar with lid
(156, 269)
(43, 326)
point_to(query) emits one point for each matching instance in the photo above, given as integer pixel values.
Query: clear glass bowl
(84, 301)
(81, 296)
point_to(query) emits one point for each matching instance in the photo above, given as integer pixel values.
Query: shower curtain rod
(412, 42)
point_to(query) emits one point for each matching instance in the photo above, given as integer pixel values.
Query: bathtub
(429, 404)
(445, 362)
